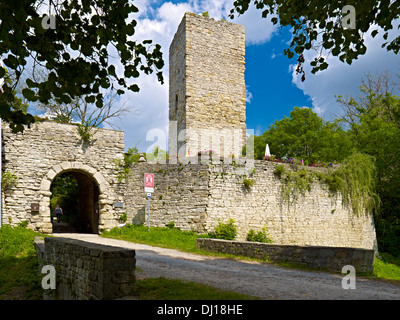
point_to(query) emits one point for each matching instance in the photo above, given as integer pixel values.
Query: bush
(279, 170)
(225, 231)
(123, 217)
(248, 183)
(170, 225)
(260, 236)
(9, 180)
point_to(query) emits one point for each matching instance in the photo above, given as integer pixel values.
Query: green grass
(172, 238)
(387, 268)
(18, 264)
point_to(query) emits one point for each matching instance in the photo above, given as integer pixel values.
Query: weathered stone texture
(207, 92)
(181, 196)
(86, 270)
(199, 196)
(48, 149)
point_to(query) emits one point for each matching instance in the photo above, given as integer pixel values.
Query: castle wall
(37, 155)
(207, 93)
(181, 195)
(197, 197)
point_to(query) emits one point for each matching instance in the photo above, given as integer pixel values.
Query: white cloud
(258, 30)
(249, 95)
(343, 79)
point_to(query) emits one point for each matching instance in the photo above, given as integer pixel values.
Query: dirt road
(256, 279)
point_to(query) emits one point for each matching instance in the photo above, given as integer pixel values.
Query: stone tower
(207, 92)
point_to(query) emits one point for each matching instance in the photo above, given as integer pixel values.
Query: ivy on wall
(354, 180)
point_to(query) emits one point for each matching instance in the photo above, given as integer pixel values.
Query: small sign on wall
(35, 207)
(148, 182)
(118, 204)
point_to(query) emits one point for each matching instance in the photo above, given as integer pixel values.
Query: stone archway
(94, 195)
(81, 211)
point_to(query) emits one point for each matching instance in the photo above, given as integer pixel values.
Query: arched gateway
(36, 157)
(93, 187)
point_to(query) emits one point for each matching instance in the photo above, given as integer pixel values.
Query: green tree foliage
(304, 135)
(65, 192)
(369, 150)
(18, 104)
(374, 121)
(317, 25)
(76, 51)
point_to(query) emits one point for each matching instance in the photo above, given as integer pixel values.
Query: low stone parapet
(85, 270)
(318, 257)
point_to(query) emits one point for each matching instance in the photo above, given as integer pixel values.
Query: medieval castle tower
(207, 92)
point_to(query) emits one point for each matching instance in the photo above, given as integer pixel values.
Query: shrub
(124, 165)
(260, 236)
(123, 217)
(294, 161)
(280, 170)
(225, 231)
(170, 225)
(85, 131)
(272, 158)
(9, 180)
(248, 183)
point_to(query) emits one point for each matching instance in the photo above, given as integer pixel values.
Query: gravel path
(252, 278)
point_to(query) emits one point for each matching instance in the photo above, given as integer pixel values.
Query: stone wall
(207, 92)
(199, 196)
(48, 149)
(181, 195)
(326, 258)
(87, 270)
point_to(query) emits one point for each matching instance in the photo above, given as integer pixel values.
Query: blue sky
(273, 87)
(269, 81)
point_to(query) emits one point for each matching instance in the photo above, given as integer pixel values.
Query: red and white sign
(148, 182)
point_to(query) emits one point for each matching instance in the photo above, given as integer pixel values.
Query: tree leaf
(30, 83)
(29, 94)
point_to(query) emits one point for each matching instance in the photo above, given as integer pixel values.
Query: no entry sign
(148, 182)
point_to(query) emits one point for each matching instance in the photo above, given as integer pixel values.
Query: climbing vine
(294, 183)
(86, 131)
(124, 165)
(354, 180)
(8, 181)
